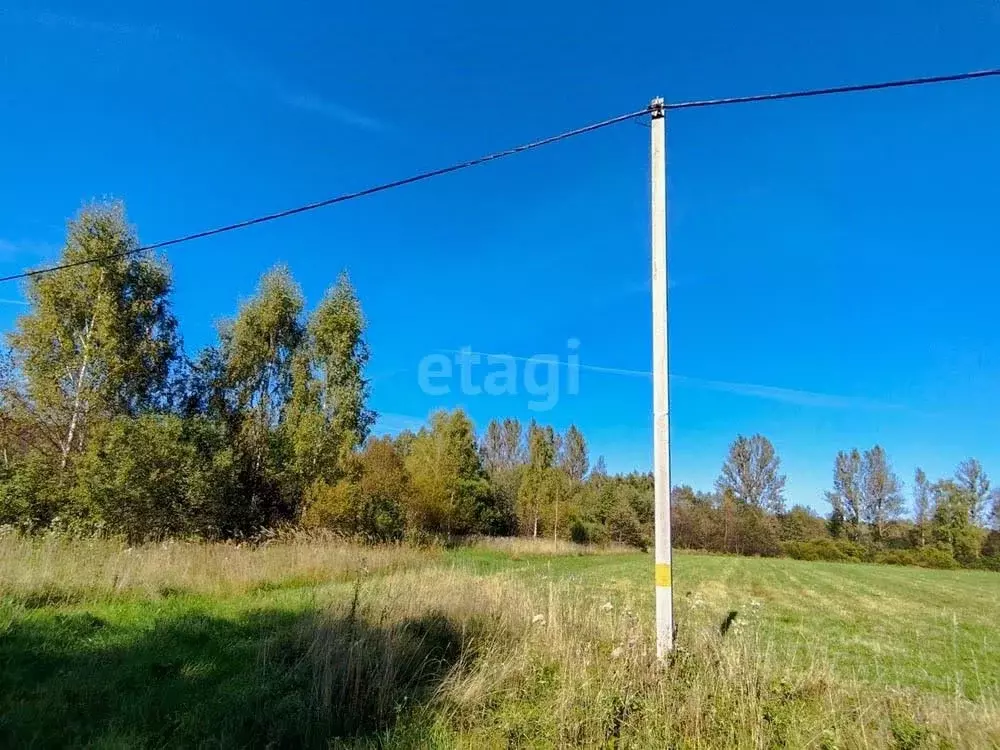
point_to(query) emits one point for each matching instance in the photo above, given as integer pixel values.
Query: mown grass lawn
(187, 668)
(936, 630)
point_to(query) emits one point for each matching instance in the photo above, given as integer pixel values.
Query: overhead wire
(669, 106)
(850, 89)
(334, 200)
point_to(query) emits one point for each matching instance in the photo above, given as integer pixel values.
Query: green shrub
(30, 493)
(152, 477)
(369, 502)
(907, 733)
(819, 549)
(852, 550)
(755, 533)
(624, 526)
(991, 545)
(830, 550)
(801, 524)
(896, 557)
(928, 557)
(798, 551)
(587, 532)
(933, 557)
(345, 508)
(329, 506)
(989, 563)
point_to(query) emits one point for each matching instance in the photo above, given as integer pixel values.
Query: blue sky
(833, 261)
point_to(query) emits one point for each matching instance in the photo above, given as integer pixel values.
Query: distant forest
(108, 427)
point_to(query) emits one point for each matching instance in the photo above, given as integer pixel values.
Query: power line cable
(694, 104)
(337, 199)
(881, 86)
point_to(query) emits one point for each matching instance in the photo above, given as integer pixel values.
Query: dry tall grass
(491, 663)
(56, 568)
(421, 654)
(521, 546)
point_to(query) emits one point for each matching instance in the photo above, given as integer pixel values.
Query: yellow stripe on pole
(663, 574)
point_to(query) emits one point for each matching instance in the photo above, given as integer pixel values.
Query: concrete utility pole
(661, 386)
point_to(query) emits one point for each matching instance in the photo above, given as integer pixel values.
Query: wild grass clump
(410, 650)
(517, 547)
(54, 569)
(397, 640)
(447, 659)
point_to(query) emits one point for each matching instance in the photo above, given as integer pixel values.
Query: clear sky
(833, 261)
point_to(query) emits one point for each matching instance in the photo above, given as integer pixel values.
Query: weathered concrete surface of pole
(661, 392)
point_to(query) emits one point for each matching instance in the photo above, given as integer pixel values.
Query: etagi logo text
(479, 374)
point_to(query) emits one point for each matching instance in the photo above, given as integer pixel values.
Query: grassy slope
(194, 669)
(928, 629)
(933, 630)
(186, 670)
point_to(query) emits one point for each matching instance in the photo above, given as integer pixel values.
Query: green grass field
(300, 644)
(927, 629)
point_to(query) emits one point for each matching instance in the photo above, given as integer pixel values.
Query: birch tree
(882, 501)
(574, 459)
(504, 455)
(846, 496)
(258, 349)
(922, 510)
(99, 339)
(971, 477)
(329, 416)
(533, 494)
(751, 473)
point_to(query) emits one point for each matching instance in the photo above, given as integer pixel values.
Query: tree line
(108, 426)
(952, 521)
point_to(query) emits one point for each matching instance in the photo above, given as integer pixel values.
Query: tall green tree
(328, 414)
(882, 501)
(847, 494)
(503, 446)
(99, 338)
(451, 493)
(922, 506)
(504, 455)
(752, 474)
(952, 525)
(623, 521)
(259, 346)
(340, 354)
(995, 509)
(491, 447)
(557, 494)
(259, 349)
(973, 480)
(535, 492)
(574, 458)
